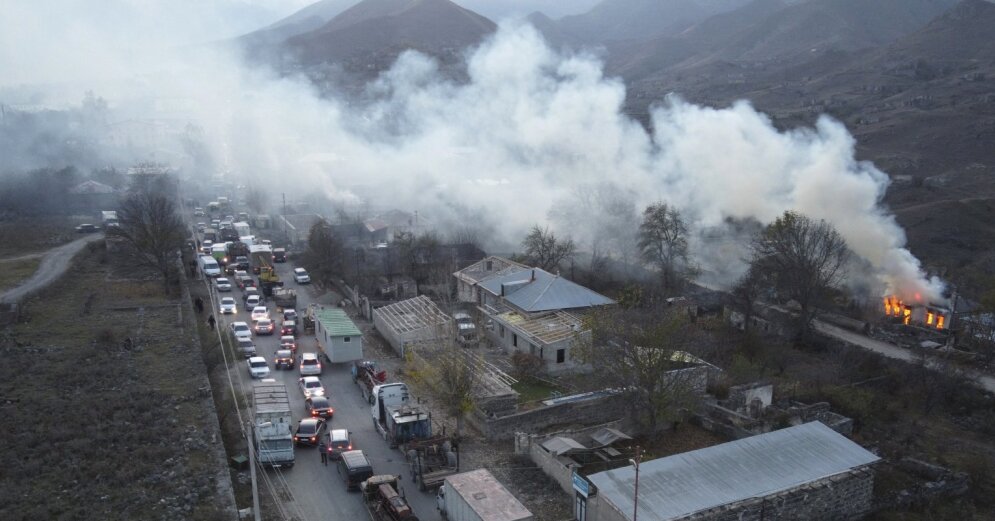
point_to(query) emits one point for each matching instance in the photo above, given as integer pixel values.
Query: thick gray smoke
(529, 135)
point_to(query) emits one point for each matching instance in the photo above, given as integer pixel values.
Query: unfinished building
(415, 320)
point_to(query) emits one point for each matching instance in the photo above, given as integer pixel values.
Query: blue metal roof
(535, 289)
(678, 486)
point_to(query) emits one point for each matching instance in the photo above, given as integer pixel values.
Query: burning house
(927, 315)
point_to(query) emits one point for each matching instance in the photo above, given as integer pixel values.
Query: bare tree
(804, 258)
(544, 250)
(255, 199)
(649, 358)
(324, 254)
(663, 242)
(747, 292)
(458, 372)
(153, 229)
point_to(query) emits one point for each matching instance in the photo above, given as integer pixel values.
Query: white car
(252, 301)
(311, 386)
(228, 305)
(241, 330)
(258, 368)
(301, 276)
(259, 313)
(222, 284)
(309, 364)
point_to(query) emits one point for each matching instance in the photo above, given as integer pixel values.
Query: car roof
(264, 308)
(318, 399)
(309, 355)
(234, 324)
(300, 270)
(256, 359)
(243, 341)
(310, 420)
(283, 352)
(311, 379)
(339, 434)
(289, 338)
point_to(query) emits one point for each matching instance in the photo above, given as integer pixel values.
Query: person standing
(210, 321)
(323, 449)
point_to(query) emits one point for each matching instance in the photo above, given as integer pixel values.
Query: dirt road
(53, 265)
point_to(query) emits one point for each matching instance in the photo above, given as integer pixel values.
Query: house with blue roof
(528, 309)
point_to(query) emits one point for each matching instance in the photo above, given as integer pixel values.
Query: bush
(525, 365)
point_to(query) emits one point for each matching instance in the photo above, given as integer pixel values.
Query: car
(264, 326)
(86, 228)
(244, 281)
(311, 386)
(259, 313)
(241, 330)
(338, 441)
(201, 227)
(288, 327)
(309, 431)
(309, 364)
(290, 314)
(252, 298)
(319, 406)
(258, 367)
(228, 305)
(198, 211)
(301, 276)
(242, 262)
(288, 342)
(215, 223)
(283, 359)
(222, 284)
(245, 347)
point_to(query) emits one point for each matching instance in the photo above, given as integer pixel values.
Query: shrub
(525, 365)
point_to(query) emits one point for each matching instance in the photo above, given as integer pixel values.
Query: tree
(803, 258)
(544, 250)
(663, 242)
(458, 371)
(324, 254)
(647, 356)
(150, 225)
(746, 293)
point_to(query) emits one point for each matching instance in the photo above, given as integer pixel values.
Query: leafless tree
(255, 199)
(324, 254)
(803, 258)
(544, 250)
(663, 242)
(648, 357)
(747, 292)
(153, 229)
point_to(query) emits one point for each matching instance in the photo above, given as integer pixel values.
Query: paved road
(318, 491)
(892, 351)
(53, 265)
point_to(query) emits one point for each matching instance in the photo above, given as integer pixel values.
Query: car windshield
(264, 323)
(309, 361)
(241, 327)
(283, 354)
(307, 427)
(314, 384)
(319, 403)
(276, 444)
(244, 343)
(228, 300)
(258, 363)
(222, 281)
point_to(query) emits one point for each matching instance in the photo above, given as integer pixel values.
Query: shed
(410, 321)
(338, 337)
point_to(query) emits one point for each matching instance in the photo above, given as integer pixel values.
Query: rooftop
(683, 484)
(536, 290)
(91, 187)
(487, 497)
(336, 322)
(488, 267)
(548, 328)
(413, 314)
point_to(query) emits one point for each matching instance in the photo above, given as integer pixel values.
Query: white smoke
(529, 131)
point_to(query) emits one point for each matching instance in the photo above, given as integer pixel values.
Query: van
(355, 468)
(209, 267)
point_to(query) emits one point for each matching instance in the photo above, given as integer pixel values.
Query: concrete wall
(399, 341)
(587, 412)
(547, 352)
(559, 468)
(842, 497)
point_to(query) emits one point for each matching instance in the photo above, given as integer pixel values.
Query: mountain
(302, 21)
(641, 19)
(368, 37)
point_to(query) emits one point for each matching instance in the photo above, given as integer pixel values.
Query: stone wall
(559, 468)
(586, 412)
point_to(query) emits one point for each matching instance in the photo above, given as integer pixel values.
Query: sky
(532, 137)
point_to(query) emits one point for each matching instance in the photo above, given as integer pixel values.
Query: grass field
(15, 272)
(105, 405)
(22, 237)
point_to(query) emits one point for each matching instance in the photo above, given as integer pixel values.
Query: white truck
(242, 228)
(209, 266)
(478, 496)
(397, 420)
(108, 218)
(272, 430)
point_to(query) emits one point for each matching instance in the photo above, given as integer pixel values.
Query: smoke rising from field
(533, 137)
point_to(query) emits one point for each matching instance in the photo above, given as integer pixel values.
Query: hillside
(300, 22)
(641, 19)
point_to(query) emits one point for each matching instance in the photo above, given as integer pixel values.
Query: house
(298, 227)
(529, 309)
(806, 472)
(387, 226)
(93, 196)
(410, 321)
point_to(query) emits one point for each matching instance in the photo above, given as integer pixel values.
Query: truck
(108, 218)
(396, 419)
(478, 496)
(366, 376)
(279, 255)
(432, 460)
(228, 233)
(210, 234)
(261, 256)
(238, 256)
(242, 228)
(384, 499)
(223, 203)
(285, 298)
(220, 253)
(272, 430)
(213, 207)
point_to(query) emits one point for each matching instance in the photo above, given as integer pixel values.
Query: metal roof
(486, 496)
(678, 486)
(606, 436)
(336, 322)
(560, 445)
(536, 289)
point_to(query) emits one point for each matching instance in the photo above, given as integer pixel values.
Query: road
(984, 381)
(318, 492)
(54, 263)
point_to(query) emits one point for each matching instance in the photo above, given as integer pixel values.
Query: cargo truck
(384, 499)
(396, 419)
(272, 425)
(108, 218)
(478, 496)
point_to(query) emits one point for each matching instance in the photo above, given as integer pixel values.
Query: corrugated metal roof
(336, 322)
(539, 290)
(487, 496)
(606, 436)
(560, 445)
(680, 485)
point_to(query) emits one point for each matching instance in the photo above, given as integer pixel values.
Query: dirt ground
(105, 415)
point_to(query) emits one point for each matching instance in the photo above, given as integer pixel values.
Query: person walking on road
(199, 304)
(210, 321)
(323, 449)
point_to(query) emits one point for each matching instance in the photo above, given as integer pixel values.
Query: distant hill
(641, 19)
(302, 21)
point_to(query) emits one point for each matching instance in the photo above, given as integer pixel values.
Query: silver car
(222, 284)
(228, 306)
(258, 368)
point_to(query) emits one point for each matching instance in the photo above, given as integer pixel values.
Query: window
(501, 330)
(561, 356)
(514, 339)
(580, 507)
(346, 339)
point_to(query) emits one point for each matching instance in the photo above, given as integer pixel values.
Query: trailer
(338, 337)
(432, 460)
(478, 496)
(384, 499)
(272, 424)
(366, 376)
(285, 298)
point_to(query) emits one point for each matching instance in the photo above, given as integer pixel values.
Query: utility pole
(635, 498)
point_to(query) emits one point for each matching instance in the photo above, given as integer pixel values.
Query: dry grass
(12, 273)
(29, 236)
